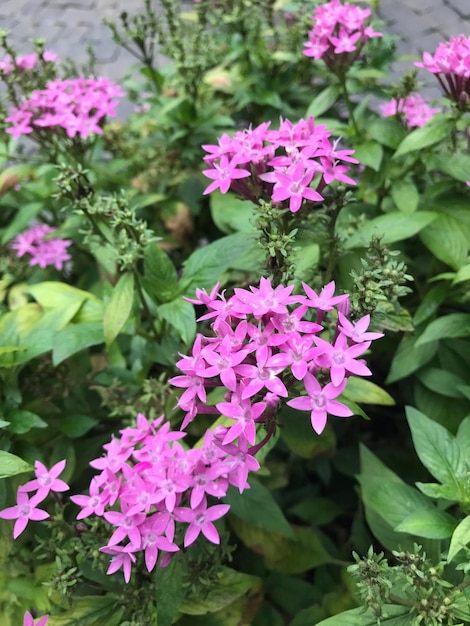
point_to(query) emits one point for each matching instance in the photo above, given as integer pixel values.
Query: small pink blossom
(43, 250)
(200, 520)
(29, 620)
(24, 511)
(414, 109)
(46, 480)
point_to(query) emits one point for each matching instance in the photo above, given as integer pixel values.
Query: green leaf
(409, 358)
(57, 295)
(385, 494)
(460, 539)
(170, 591)
(76, 425)
(441, 381)
(258, 507)
(447, 327)
(361, 390)
(289, 556)
(433, 132)
(405, 195)
(446, 239)
(74, 338)
(370, 154)
(298, 434)
(392, 615)
(387, 132)
(454, 165)
(205, 266)
(430, 303)
(90, 611)
(463, 438)
(11, 465)
(229, 586)
(119, 307)
(160, 279)
(324, 101)
(393, 227)
(428, 523)
(231, 214)
(433, 490)
(316, 511)
(180, 314)
(436, 448)
(22, 220)
(462, 275)
(23, 421)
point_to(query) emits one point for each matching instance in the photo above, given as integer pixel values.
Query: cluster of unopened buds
(451, 66)
(338, 35)
(27, 62)
(36, 242)
(414, 109)
(78, 106)
(278, 165)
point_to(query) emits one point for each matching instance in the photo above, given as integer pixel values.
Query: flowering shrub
(307, 152)
(237, 320)
(79, 106)
(339, 33)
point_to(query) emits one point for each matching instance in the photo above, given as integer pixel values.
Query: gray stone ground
(69, 25)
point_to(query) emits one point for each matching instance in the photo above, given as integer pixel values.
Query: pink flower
(340, 358)
(294, 184)
(414, 109)
(46, 480)
(43, 251)
(200, 520)
(357, 332)
(320, 401)
(29, 620)
(223, 174)
(24, 510)
(122, 557)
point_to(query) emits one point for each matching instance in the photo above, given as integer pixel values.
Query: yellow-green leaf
(118, 308)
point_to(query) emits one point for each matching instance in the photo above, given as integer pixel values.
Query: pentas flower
(26, 508)
(268, 341)
(289, 166)
(36, 242)
(414, 109)
(74, 106)
(29, 620)
(26, 62)
(339, 34)
(451, 65)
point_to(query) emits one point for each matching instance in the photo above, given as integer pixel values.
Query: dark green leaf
(387, 132)
(445, 238)
(23, 421)
(455, 165)
(160, 277)
(180, 314)
(392, 615)
(436, 448)
(170, 591)
(441, 381)
(75, 425)
(258, 507)
(447, 327)
(409, 358)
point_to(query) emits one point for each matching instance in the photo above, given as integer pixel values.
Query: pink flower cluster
(278, 165)
(29, 620)
(26, 62)
(263, 349)
(157, 483)
(414, 109)
(451, 65)
(42, 250)
(26, 507)
(78, 106)
(339, 34)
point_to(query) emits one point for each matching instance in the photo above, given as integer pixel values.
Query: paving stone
(462, 7)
